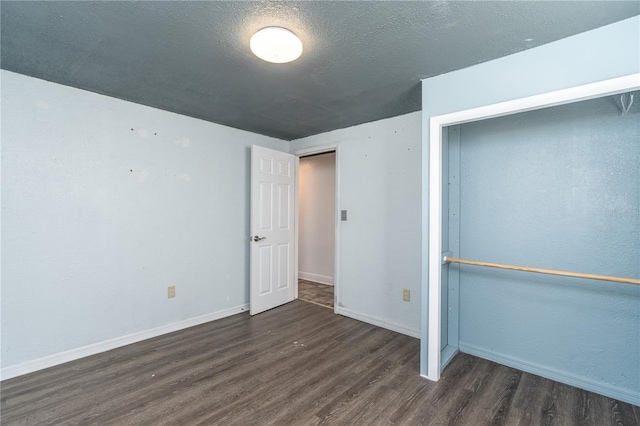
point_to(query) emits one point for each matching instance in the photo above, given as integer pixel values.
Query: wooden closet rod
(543, 271)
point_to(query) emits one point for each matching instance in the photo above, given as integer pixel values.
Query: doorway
(317, 225)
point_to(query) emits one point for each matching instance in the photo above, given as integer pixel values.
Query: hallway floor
(319, 294)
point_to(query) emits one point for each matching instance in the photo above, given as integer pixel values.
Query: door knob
(256, 238)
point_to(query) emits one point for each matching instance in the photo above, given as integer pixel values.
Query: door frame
(320, 149)
(431, 333)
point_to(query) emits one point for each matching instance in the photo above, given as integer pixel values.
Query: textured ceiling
(362, 61)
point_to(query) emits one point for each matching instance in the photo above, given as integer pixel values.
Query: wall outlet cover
(406, 294)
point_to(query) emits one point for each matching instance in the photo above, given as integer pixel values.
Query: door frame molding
(431, 333)
(320, 149)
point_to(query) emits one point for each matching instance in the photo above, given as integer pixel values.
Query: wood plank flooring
(298, 364)
(320, 294)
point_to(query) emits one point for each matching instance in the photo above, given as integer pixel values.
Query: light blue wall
(557, 188)
(105, 203)
(379, 248)
(608, 52)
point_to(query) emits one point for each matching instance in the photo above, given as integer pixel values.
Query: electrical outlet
(406, 294)
(171, 291)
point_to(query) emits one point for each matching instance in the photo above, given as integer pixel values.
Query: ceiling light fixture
(276, 44)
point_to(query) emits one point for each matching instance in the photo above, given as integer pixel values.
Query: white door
(272, 228)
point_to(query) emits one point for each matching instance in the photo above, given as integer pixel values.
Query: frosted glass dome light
(276, 44)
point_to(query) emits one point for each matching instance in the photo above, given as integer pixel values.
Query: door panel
(283, 266)
(284, 194)
(272, 216)
(264, 278)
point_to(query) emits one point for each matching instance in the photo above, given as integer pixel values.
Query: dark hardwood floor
(298, 364)
(320, 294)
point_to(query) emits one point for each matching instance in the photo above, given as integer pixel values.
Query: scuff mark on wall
(183, 142)
(42, 105)
(185, 177)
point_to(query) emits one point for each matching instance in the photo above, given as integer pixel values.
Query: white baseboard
(379, 322)
(27, 367)
(322, 279)
(582, 382)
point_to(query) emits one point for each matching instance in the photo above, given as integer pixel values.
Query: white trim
(322, 279)
(296, 226)
(319, 149)
(435, 249)
(436, 123)
(336, 262)
(582, 382)
(27, 367)
(378, 322)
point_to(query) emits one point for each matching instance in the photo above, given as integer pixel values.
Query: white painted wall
(379, 165)
(105, 203)
(316, 218)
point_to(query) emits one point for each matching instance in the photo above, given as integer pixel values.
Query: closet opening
(550, 181)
